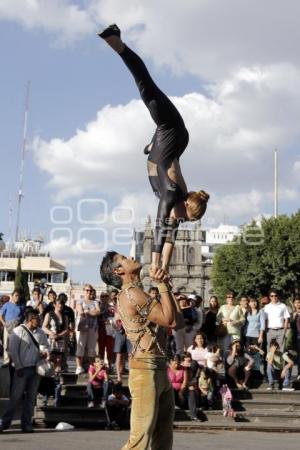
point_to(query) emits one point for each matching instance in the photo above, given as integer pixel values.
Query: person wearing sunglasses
(277, 316)
(87, 311)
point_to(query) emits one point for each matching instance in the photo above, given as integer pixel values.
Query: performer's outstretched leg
(160, 107)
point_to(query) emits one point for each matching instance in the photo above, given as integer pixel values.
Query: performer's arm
(165, 232)
(167, 303)
(167, 255)
(165, 313)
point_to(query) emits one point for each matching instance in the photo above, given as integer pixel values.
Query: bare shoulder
(131, 298)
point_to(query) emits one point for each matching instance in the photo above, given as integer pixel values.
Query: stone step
(233, 425)
(245, 405)
(80, 417)
(264, 394)
(210, 420)
(254, 416)
(51, 415)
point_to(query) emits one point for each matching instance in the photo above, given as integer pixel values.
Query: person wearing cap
(28, 343)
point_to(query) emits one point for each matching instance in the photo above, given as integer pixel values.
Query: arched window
(191, 256)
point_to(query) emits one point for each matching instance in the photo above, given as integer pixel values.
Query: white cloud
(233, 132)
(209, 39)
(81, 243)
(252, 105)
(238, 208)
(65, 19)
(296, 169)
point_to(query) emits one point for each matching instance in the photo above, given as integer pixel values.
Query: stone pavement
(113, 440)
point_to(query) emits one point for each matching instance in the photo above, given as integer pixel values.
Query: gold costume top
(144, 326)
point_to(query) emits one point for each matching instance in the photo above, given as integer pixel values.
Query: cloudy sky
(231, 67)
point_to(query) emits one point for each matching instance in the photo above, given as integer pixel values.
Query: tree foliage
(262, 257)
(21, 283)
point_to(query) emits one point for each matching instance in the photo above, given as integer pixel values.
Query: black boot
(112, 30)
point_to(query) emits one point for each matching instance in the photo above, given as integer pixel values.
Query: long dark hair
(216, 298)
(204, 340)
(252, 299)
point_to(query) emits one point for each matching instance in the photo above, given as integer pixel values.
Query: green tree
(263, 257)
(21, 283)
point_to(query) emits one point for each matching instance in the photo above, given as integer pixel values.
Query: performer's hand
(167, 277)
(156, 274)
(153, 268)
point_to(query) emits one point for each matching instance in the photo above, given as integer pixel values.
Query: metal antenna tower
(10, 213)
(23, 150)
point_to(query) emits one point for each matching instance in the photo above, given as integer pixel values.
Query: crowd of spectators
(234, 343)
(239, 343)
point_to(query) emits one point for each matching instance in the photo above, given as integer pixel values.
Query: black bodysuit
(168, 143)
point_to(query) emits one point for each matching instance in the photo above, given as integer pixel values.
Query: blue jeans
(98, 394)
(56, 388)
(275, 375)
(24, 389)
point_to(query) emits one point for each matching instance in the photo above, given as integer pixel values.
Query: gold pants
(152, 409)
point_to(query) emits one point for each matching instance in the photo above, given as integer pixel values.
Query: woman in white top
(199, 350)
(223, 318)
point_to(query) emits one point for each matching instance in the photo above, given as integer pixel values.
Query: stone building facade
(189, 269)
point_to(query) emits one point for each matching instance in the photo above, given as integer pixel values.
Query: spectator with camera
(184, 386)
(196, 303)
(28, 344)
(97, 386)
(184, 338)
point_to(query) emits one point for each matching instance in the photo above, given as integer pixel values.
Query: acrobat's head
(196, 204)
(116, 269)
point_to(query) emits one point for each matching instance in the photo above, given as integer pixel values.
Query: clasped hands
(159, 274)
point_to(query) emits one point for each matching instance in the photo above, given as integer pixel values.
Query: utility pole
(23, 150)
(275, 185)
